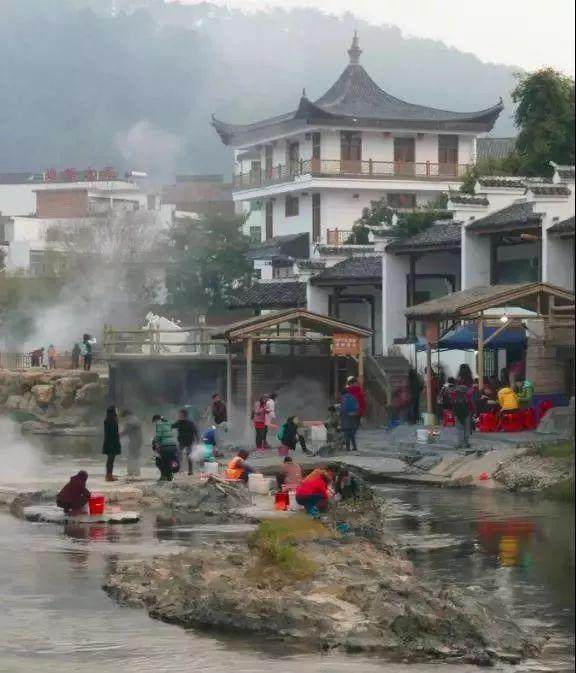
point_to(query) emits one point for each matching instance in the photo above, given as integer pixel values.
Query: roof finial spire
(304, 93)
(354, 52)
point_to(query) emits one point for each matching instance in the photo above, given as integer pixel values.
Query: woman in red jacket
(356, 390)
(312, 493)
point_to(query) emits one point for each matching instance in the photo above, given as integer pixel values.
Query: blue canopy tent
(465, 337)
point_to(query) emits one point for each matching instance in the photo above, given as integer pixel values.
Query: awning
(465, 337)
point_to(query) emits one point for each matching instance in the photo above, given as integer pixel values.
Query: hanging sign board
(345, 344)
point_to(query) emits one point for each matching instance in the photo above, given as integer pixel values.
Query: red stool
(488, 422)
(448, 418)
(529, 419)
(511, 421)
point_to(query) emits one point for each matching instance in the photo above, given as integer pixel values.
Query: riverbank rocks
(357, 598)
(39, 395)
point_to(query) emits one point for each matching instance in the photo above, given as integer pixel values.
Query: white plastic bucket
(422, 436)
(210, 468)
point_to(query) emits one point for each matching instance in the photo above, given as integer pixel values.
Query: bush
(279, 560)
(563, 449)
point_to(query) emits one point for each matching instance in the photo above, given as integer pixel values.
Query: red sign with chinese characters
(345, 344)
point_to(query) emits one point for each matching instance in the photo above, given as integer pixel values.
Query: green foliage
(545, 117)
(380, 217)
(510, 165)
(278, 558)
(562, 490)
(207, 262)
(564, 449)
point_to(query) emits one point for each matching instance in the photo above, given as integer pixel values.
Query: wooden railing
(15, 360)
(350, 169)
(337, 237)
(196, 340)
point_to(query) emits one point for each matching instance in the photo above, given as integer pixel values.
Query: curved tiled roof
(438, 235)
(519, 214)
(563, 227)
(470, 199)
(368, 268)
(353, 99)
(272, 295)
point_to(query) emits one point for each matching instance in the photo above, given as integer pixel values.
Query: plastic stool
(448, 418)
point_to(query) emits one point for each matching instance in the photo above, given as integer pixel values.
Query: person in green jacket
(166, 448)
(524, 392)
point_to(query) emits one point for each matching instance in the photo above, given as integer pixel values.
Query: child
(289, 437)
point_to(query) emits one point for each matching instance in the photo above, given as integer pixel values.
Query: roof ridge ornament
(355, 52)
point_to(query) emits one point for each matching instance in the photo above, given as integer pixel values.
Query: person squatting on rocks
(187, 437)
(111, 446)
(238, 469)
(289, 436)
(259, 422)
(349, 410)
(165, 447)
(290, 475)
(312, 494)
(74, 496)
(132, 430)
(204, 452)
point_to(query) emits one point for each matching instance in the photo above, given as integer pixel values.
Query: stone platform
(53, 514)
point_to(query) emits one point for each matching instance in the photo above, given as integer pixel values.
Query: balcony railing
(330, 168)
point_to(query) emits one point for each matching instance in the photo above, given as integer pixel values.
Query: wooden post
(249, 355)
(336, 382)
(361, 365)
(480, 360)
(229, 380)
(429, 381)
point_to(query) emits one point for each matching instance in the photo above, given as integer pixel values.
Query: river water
(54, 615)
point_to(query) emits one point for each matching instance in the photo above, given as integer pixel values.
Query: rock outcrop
(359, 598)
(46, 399)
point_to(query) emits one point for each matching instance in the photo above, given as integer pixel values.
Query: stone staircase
(383, 375)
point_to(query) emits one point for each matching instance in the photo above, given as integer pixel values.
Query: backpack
(460, 405)
(350, 404)
(280, 435)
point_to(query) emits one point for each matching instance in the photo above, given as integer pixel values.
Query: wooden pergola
(515, 303)
(292, 326)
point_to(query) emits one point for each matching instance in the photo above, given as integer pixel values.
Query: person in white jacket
(270, 419)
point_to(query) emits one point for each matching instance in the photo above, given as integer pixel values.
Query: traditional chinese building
(315, 168)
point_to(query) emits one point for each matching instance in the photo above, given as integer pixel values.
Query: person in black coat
(111, 446)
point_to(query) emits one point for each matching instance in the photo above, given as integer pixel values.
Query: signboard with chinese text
(345, 344)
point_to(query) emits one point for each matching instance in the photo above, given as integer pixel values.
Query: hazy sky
(528, 33)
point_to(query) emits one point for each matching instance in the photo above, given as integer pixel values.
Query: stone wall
(39, 394)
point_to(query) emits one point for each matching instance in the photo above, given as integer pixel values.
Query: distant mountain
(133, 83)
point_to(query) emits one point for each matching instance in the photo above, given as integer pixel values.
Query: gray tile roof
(550, 190)
(290, 246)
(359, 268)
(519, 214)
(356, 97)
(470, 199)
(494, 148)
(564, 227)
(502, 181)
(311, 264)
(438, 235)
(566, 172)
(272, 295)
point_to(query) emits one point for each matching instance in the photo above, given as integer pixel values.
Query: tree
(207, 262)
(402, 224)
(545, 118)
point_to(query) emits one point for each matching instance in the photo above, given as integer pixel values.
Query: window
(316, 218)
(255, 233)
(282, 271)
(269, 219)
(255, 206)
(316, 139)
(268, 158)
(350, 146)
(293, 157)
(404, 156)
(515, 260)
(402, 200)
(291, 206)
(447, 149)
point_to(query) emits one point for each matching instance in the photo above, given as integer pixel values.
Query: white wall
(394, 298)
(317, 299)
(467, 150)
(475, 262)
(427, 148)
(558, 262)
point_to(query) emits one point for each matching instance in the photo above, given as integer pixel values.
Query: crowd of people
(81, 355)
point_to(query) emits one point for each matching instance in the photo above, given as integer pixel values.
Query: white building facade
(315, 169)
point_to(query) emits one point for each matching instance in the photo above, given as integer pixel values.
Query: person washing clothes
(165, 447)
(204, 452)
(290, 475)
(507, 399)
(187, 437)
(74, 497)
(238, 469)
(132, 430)
(312, 494)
